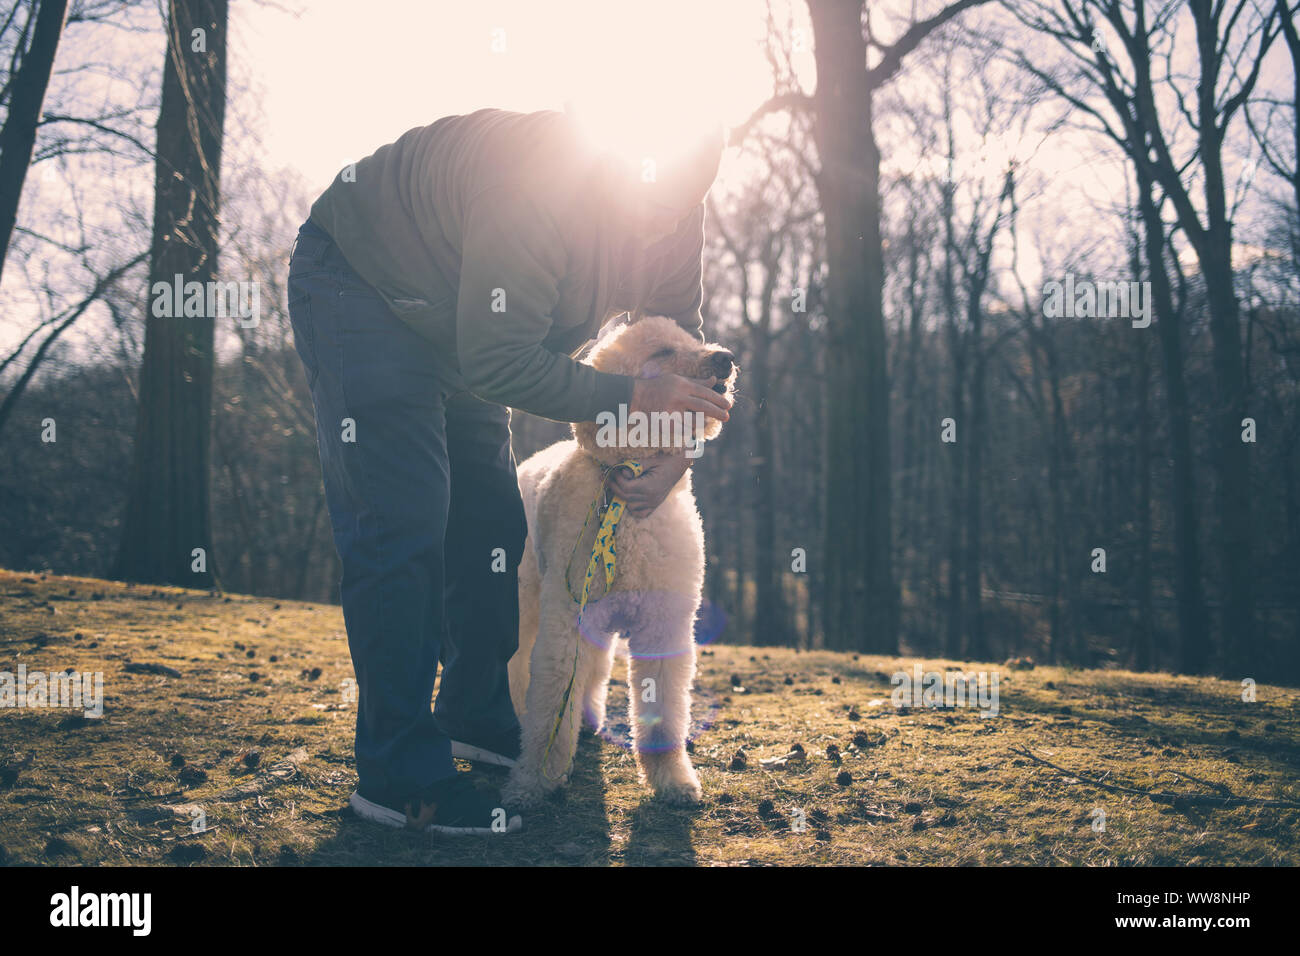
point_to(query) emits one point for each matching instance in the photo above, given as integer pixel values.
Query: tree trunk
(167, 513)
(1213, 246)
(1289, 456)
(1193, 631)
(974, 443)
(769, 606)
(1234, 489)
(860, 599)
(956, 493)
(1143, 650)
(18, 136)
(1066, 634)
(1215, 255)
(910, 449)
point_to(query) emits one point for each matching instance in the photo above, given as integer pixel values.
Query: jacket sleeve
(680, 292)
(512, 261)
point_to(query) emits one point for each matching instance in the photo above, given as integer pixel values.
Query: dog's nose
(722, 362)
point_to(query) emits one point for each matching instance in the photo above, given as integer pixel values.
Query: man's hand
(674, 393)
(645, 493)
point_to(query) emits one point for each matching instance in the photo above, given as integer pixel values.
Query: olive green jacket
(497, 237)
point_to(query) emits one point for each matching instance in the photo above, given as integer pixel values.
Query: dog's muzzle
(721, 364)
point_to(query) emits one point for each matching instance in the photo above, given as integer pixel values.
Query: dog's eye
(663, 353)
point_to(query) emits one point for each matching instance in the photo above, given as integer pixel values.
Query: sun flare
(651, 86)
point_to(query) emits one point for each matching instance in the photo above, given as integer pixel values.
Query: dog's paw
(593, 716)
(524, 790)
(681, 793)
(671, 776)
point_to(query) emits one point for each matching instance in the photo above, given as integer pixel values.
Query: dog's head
(648, 348)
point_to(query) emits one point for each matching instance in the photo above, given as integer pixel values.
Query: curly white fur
(659, 580)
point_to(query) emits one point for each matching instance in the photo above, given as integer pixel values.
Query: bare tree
(167, 513)
(24, 91)
(759, 237)
(860, 596)
(65, 258)
(1231, 42)
(54, 328)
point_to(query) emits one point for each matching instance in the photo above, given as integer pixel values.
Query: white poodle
(563, 664)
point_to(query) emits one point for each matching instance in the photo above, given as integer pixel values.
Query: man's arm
(512, 260)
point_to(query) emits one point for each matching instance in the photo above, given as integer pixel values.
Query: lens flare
(633, 625)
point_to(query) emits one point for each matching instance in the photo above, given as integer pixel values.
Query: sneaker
(501, 750)
(455, 806)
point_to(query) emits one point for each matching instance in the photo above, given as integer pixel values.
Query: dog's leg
(529, 596)
(552, 707)
(602, 620)
(661, 670)
(597, 687)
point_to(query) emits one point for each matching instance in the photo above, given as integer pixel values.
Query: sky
(343, 78)
(326, 82)
(336, 80)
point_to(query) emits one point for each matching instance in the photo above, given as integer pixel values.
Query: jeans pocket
(304, 339)
(385, 362)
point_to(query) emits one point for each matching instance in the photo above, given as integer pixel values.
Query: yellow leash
(604, 554)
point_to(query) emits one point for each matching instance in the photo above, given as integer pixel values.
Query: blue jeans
(421, 488)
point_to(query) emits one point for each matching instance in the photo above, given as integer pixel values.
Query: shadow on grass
(571, 828)
(661, 835)
(1259, 733)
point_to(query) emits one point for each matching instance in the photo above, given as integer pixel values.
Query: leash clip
(606, 472)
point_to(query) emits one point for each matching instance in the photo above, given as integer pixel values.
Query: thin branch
(893, 58)
(793, 101)
(1161, 796)
(7, 406)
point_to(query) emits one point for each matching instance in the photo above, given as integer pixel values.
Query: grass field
(255, 734)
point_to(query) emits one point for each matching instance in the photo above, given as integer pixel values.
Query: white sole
(479, 755)
(378, 813)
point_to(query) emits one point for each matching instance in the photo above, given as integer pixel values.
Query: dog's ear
(612, 327)
(585, 433)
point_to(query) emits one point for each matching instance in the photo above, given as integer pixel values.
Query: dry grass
(261, 679)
